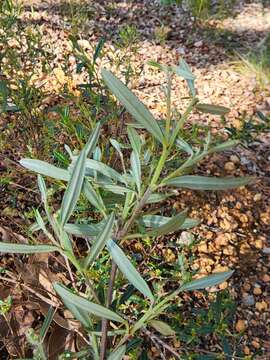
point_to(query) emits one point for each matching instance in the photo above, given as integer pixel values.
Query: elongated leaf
(103, 169)
(128, 269)
(184, 70)
(153, 221)
(47, 322)
(224, 146)
(86, 305)
(134, 139)
(83, 229)
(92, 142)
(213, 109)
(100, 241)
(136, 169)
(162, 327)
(79, 314)
(208, 183)
(42, 189)
(26, 249)
(74, 187)
(44, 168)
(116, 189)
(172, 225)
(118, 354)
(92, 196)
(133, 105)
(187, 75)
(207, 281)
(157, 197)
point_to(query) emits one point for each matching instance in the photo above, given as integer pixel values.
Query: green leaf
(156, 198)
(44, 168)
(100, 241)
(103, 169)
(186, 73)
(153, 221)
(46, 323)
(207, 281)
(172, 225)
(93, 197)
(133, 105)
(128, 269)
(86, 305)
(118, 354)
(26, 249)
(134, 139)
(136, 169)
(195, 182)
(162, 327)
(79, 314)
(116, 189)
(92, 142)
(224, 146)
(213, 109)
(42, 189)
(74, 187)
(83, 229)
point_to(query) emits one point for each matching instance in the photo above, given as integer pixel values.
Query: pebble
(261, 306)
(240, 326)
(198, 43)
(255, 344)
(229, 166)
(266, 250)
(246, 350)
(257, 197)
(257, 291)
(266, 278)
(259, 244)
(248, 300)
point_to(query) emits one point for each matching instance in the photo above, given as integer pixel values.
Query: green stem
(182, 121)
(169, 103)
(160, 166)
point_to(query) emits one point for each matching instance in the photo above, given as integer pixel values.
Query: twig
(161, 342)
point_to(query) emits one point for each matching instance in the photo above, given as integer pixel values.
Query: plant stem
(121, 234)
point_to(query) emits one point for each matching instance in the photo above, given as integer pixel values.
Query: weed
(107, 287)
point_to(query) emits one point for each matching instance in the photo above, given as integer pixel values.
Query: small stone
(198, 43)
(221, 240)
(240, 326)
(229, 166)
(248, 300)
(259, 244)
(223, 285)
(255, 344)
(246, 350)
(235, 159)
(261, 306)
(257, 197)
(202, 248)
(266, 250)
(181, 51)
(257, 291)
(246, 286)
(266, 278)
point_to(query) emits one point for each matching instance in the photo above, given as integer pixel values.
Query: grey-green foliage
(146, 178)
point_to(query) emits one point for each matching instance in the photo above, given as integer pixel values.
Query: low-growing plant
(123, 203)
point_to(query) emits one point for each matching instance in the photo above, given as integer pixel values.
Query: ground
(234, 230)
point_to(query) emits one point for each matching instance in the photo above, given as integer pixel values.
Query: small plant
(151, 167)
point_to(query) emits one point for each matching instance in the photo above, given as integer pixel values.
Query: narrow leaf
(172, 225)
(195, 182)
(26, 249)
(213, 109)
(128, 269)
(92, 142)
(100, 241)
(79, 314)
(46, 323)
(74, 187)
(162, 327)
(86, 305)
(92, 196)
(153, 221)
(42, 189)
(207, 281)
(83, 229)
(103, 169)
(136, 169)
(134, 139)
(133, 105)
(118, 354)
(44, 168)
(224, 146)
